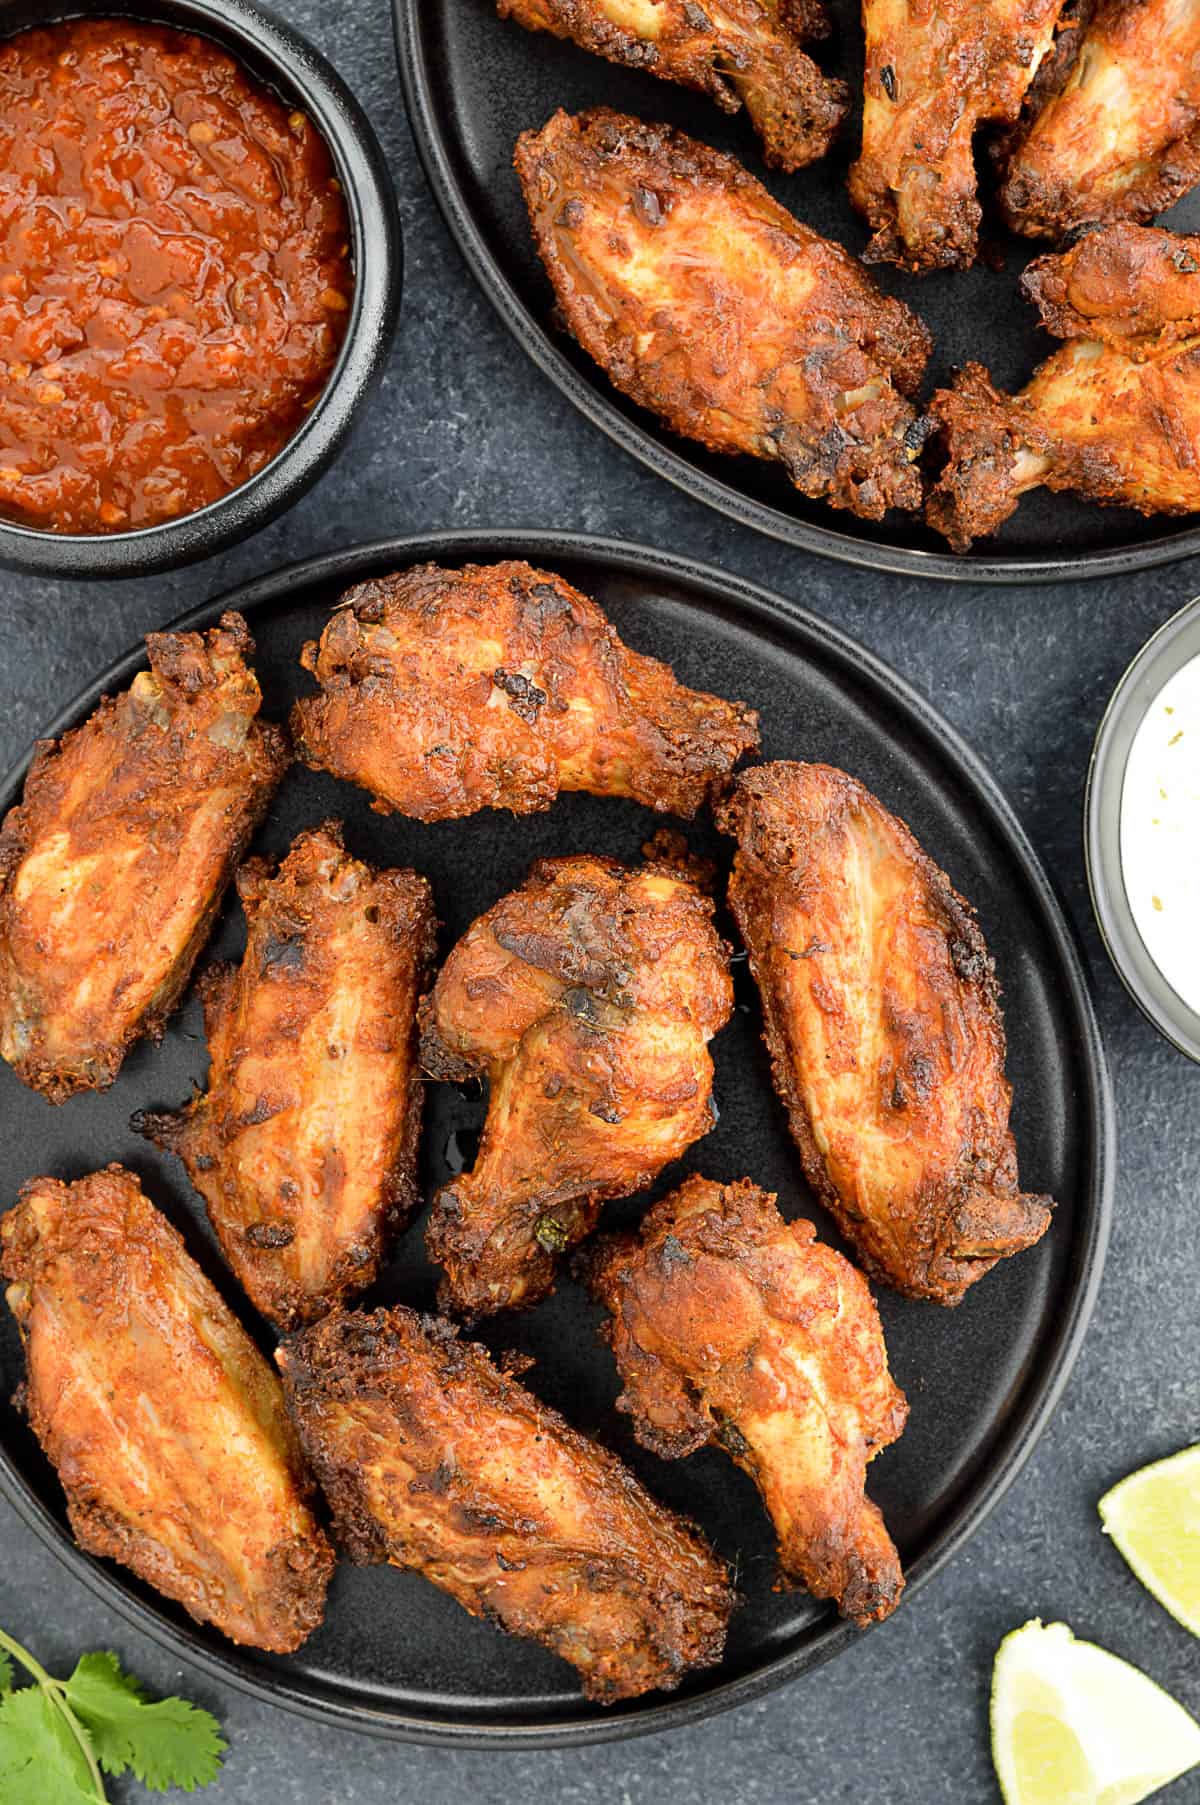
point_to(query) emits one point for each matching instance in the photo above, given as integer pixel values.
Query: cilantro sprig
(58, 1738)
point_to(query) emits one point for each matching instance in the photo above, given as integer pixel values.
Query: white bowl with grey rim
(1175, 645)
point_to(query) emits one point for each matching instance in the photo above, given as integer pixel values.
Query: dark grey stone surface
(466, 433)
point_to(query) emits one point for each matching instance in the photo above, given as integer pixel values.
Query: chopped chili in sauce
(175, 275)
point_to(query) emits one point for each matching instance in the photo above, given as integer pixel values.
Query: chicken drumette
(731, 1326)
(1135, 288)
(588, 998)
(304, 1147)
(706, 302)
(433, 1459)
(498, 686)
(738, 52)
(163, 1421)
(935, 72)
(884, 1029)
(113, 864)
(1114, 414)
(1119, 136)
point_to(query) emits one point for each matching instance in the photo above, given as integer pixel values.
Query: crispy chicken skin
(433, 1459)
(936, 70)
(706, 302)
(737, 52)
(113, 864)
(1120, 138)
(733, 1327)
(1133, 287)
(498, 686)
(304, 1146)
(163, 1421)
(884, 1030)
(588, 998)
(1114, 414)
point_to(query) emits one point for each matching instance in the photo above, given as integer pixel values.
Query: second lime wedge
(1073, 1725)
(1154, 1519)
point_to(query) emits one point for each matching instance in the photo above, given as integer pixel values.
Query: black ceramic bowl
(1175, 644)
(287, 64)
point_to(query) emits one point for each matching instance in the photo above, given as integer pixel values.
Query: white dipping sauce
(1160, 831)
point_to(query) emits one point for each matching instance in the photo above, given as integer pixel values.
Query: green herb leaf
(167, 1743)
(6, 1673)
(41, 1763)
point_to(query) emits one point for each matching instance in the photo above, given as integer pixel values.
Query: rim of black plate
(1029, 1416)
(432, 148)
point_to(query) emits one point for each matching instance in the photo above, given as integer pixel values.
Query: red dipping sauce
(175, 275)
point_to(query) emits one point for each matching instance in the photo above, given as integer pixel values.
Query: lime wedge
(1073, 1725)
(1154, 1518)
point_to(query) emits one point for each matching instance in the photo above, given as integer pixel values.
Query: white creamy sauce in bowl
(1160, 831)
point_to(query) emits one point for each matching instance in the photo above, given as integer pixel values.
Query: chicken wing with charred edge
(884, 1029)
(934, 74)
(498, 686)
(166, 1426)
(113, 864)
(1136, 288)
(1120, 137)
(588, 998)
(1113, 415)
(433, 1459)
(706, 302)
(737, 52)
(304, 1147)
(733, 1327)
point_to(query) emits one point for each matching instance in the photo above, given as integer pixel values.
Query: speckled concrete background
(465, 432)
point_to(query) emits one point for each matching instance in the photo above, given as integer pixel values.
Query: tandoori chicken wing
(1133, 287)
(1114, 414)
(936, 72)
(737, 52)
(113, 864)
(433, 1459)
(304, 1146)
(1120, 138)
(163, 1421)
(884, 1028)
(733, 1327)
(498, 686)
(706, 302)
(588, 998)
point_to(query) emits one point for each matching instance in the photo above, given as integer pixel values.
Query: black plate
(474, 83)
(397, 1656)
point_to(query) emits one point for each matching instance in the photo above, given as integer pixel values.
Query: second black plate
(394, 1655)
(473, 83)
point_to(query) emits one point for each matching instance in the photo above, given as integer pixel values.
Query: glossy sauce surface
(175, 275)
